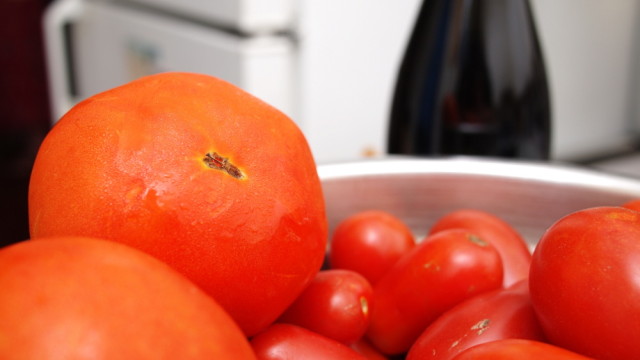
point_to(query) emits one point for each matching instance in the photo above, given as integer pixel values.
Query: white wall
(591, 50)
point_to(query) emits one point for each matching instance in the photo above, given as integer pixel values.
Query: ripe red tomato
(290, 342)
(437, 274)
(377, 237)
(494, 315)
(513, 249)
(521, 349)
(335, 304)
(84, 298)
(196, 172)
(585, 282)
(633, 205)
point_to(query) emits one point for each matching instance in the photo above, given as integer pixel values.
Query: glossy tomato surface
(82, 298)
(521, 349)
(335, 304)
(291, 342)
(494, 315)
(512, 247)
(443, 270)
(369, 242)
(585, 283)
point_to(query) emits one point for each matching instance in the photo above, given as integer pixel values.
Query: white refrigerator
(331, 65)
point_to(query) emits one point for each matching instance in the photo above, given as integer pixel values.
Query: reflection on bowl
(530, 196)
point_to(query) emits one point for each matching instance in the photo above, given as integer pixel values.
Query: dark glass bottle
(472, 82)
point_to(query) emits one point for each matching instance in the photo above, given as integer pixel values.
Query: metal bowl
(530, 196)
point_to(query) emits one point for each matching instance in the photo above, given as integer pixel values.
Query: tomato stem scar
(218, 162)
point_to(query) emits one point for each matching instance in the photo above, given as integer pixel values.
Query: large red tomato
(585, 282)
(196, 172)
(81, 298)
(512, 247)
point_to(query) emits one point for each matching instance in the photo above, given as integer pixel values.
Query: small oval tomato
(335, 304)
(512, 247)
(493, 315)
(437, 274)
(521, 349)
(585, 283)
(291, 342)
(370, 242)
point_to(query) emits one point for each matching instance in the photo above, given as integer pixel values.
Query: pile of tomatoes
(471, 289)
(179, 217)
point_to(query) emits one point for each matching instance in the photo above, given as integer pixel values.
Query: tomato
(633, 205)
(512, 247)
(521, 349)
(377, 237)
(83, 298)
(585, 283)
(196, 172)
(499, 314)
(290, 342)
(437, 274)
(364, 347)
(335, 304)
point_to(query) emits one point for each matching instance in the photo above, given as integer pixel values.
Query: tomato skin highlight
(290, 342)
(437, 274)
(515, 253)
(494, 315)
(377, 237)
(521, 349)
(584, 282)
(335, 304)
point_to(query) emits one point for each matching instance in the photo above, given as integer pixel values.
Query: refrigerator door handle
(58, 21)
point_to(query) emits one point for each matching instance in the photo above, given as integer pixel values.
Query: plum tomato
(521, 349)
(494, 315)
(585, 282)
(335, 304)
(512, 247)
(440, 272)
(377, 237)
(290, 342)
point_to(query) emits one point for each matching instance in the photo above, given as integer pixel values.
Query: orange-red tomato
(585, 283)
(632, 204)
(512, 247)
(370, 242)
(196, 172)
(83, 298)
(521, 349)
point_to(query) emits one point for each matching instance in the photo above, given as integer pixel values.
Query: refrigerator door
(246, 16)
(111, 44)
